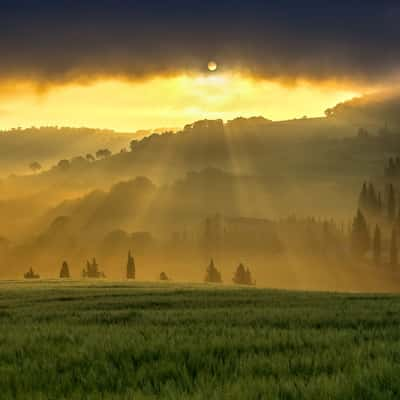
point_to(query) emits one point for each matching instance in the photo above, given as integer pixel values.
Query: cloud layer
(58, 41)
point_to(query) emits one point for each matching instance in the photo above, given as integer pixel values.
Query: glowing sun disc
(212, 66)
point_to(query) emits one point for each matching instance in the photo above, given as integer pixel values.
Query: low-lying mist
(277, 197)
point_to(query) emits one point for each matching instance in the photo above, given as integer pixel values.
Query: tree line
(242, 275)
(383, 214)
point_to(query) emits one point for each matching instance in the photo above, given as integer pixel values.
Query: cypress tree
(377, 246)
(363, 198)
(360, 239)
(130, 267)
(240, 275)
(212, 274)
(391, 203)
(372, 199)
(379, 203)
(64, 272)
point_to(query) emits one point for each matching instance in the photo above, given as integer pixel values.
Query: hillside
(47, 145)
(276, 162)
(308, 147)
(371, 111)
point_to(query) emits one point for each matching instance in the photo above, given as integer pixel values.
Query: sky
(131, 65)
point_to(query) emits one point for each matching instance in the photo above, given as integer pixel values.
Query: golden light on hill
(163, 101)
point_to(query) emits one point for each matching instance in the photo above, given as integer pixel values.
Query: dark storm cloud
(57, 41)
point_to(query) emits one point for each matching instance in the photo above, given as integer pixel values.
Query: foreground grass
(142, 341)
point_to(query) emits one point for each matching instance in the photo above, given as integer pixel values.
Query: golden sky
(168, 101)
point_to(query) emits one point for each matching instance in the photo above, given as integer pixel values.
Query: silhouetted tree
(393, 249)
(163, 276)
(63, 164)
(130, 267)
(377, 246)
(392, 168)
(92, 270)
(369, 200)
(31, 274)
(212, 274)
(89, 157)
(239, 276)
(64, 273)
(242, 276)
(360, 239)
(372, 199)
(35, 166)
(363, 198)
(379, 203)
(103, 153)
(391, 203)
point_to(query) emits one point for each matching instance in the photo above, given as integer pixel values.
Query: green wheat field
(110, 340)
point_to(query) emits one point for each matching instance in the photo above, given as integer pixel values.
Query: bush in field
(92, 270)
(163, 276)
(64, 273)
(31, 274)
(212, 274)
(242, 276)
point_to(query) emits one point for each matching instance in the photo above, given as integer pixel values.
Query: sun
(212, 66)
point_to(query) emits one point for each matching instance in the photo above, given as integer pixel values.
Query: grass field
(142, 341)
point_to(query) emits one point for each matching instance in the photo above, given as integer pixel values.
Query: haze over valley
(100, 193)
